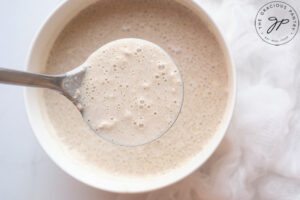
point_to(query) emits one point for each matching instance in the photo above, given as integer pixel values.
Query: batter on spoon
(132, 91)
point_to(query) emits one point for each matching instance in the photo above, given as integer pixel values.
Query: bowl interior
(43, 129)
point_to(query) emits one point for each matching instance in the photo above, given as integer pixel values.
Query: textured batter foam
(194, 49)
(132, 91)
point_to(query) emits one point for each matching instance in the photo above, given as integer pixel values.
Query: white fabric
(259, 158)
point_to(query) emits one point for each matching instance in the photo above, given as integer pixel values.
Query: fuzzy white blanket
(259, 158)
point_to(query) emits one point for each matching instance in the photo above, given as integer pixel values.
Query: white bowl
(37, 58)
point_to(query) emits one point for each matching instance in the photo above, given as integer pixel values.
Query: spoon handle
(16, 77)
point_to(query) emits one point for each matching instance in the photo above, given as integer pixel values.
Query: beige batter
(194, 49)
(132, 91)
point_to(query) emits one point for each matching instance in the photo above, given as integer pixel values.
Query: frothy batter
(199, 57)
(132, 91)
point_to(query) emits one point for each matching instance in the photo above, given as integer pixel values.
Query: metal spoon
(70, 85)
(66, 84)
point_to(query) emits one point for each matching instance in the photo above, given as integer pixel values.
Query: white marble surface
(259, 158)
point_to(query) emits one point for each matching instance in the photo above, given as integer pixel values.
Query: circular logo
(277, 23)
